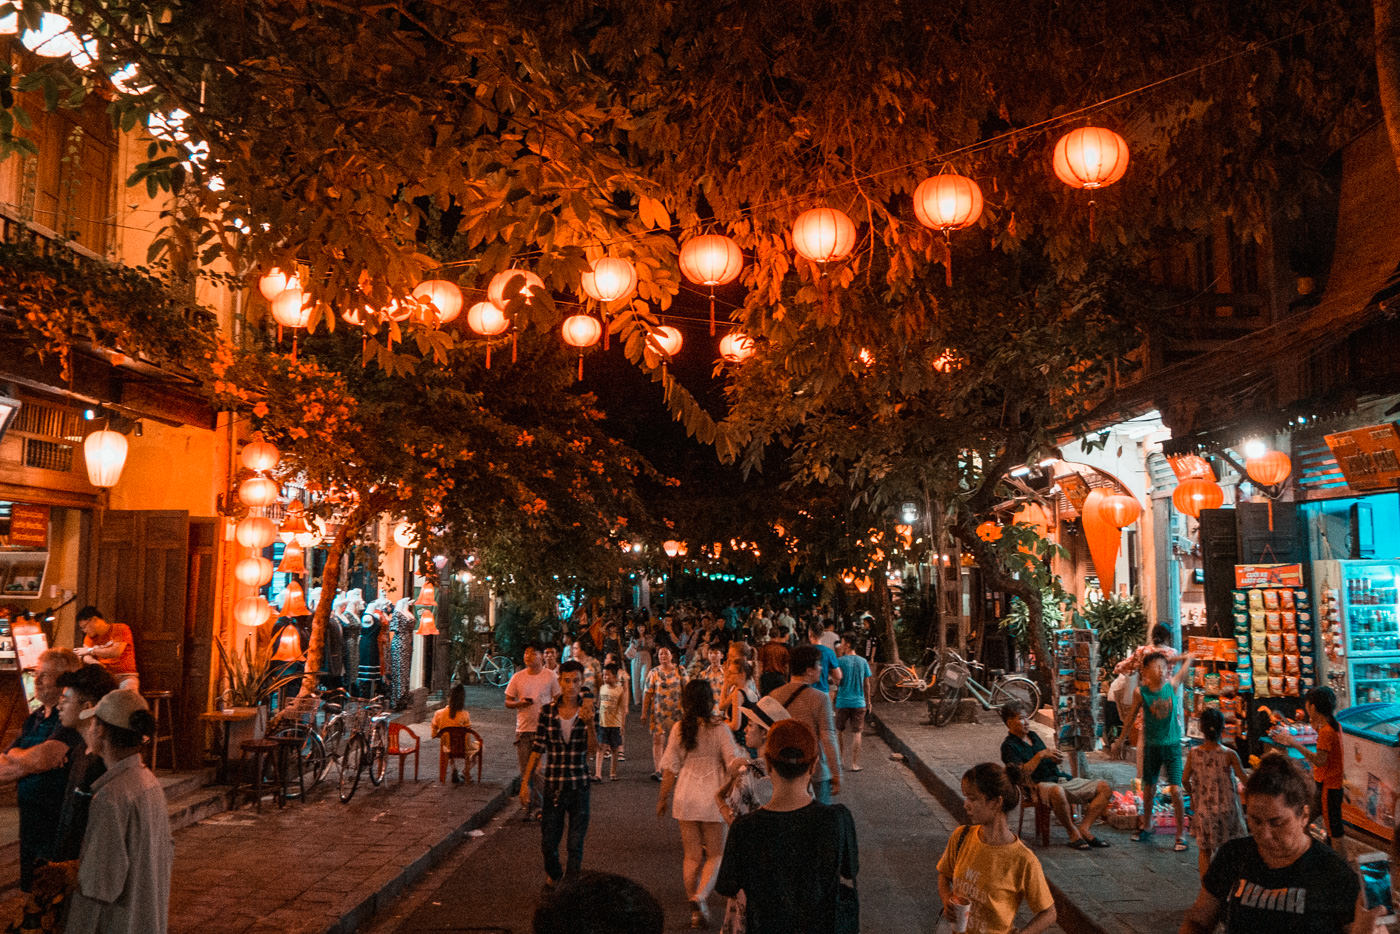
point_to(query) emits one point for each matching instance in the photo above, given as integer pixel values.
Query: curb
(360, 915)
(1072, 917)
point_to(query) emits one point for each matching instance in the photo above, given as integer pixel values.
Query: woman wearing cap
(697, 759)
(124, 870)
(794, 859)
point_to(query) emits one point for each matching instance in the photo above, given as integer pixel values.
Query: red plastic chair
(455, 746)
(399, 735)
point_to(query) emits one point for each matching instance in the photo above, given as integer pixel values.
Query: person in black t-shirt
(794, 859)
(81, 689)
(1278, 878)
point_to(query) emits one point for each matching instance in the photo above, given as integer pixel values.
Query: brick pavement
(1130, 888)
(327, 867)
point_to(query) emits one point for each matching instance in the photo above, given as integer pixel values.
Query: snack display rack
(1077, 667)
(1215, 681)
(1274, 630)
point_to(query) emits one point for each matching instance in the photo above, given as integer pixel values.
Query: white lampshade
(105, 453)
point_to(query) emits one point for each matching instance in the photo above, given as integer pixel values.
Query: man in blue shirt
(830, 671)
(852, 697)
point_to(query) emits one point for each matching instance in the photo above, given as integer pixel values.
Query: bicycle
(955, 679)
(364, 732)
(495, 670)
(898, 682)
(298, 718)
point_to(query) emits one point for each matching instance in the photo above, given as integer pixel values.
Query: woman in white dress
(693, 769)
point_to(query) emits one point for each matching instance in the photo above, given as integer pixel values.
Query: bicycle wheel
(948, 697)
(312, 754)
(498, 670)
(352, 763)
(378, 751)
(1021, 690)
(895, 684)
(333, 742)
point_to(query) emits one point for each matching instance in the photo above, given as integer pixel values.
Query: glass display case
(1362, 599)
(1370, 737)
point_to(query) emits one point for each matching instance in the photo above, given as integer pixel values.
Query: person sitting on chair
(455, 714)
(1024, 748)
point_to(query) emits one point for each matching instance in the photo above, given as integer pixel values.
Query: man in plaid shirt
(565, 738)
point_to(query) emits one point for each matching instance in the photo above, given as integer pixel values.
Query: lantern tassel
(947, 259)
(712, 312)
(1093, 234)
(294, 345)
(580, 366)
(488, 355)
(605, 329)
(1270, 500)
(514, 340)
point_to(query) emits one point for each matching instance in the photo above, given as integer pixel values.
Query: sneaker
(621, 757)
(607, 753)
(656, 776)
(457, 778)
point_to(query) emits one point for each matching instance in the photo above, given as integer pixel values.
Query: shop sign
(1076, 490)
(1187, 466)
(29, 527)
(1369, 458)
(1248, 576)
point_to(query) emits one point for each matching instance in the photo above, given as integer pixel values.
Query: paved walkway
(1130, 888)
(327, 867)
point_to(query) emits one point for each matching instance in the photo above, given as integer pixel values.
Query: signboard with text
(1248, 576)
(29, 527)
(1369, 458)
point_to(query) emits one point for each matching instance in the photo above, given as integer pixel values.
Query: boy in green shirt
(1161, 739)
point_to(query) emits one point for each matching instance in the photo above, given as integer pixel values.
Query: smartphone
(1374, 869)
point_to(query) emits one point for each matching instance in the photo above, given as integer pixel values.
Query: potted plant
(251, 679)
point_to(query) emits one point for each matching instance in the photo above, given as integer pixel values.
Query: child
(455, 714)
(1321, 705)
(1161, 739)
(1210, 775)
(611, 698)
(625, 680)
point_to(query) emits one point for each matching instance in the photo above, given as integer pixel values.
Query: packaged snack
(1246, 680)
(1271, 599)
(1212, 683)
(1290, 665)
(1241, 643)
(1229, 652)
(1229, 682)
(1241, 618)
(1305, 640)
(1305, 683)
(1304, 619)
(1285, 599)
(1240, 598)
(1290, 687)
(1256, 599)
(1288, 621)
(1275, 686)
(1273, 622)
(1290, 643)
(1275, 664)
(1274, 643)
(1301, 599)
(1244, 661)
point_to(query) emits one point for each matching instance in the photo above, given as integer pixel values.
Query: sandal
(1142, 835)
(1098, 843)
(1080, 844)
(1180, 846)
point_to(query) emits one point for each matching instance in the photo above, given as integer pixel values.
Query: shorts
(1077, 790)
(1329, 805)
(1157, 758)
(854, 716)
(610, 736)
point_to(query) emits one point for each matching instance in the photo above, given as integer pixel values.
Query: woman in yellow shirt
(984, 862)
(455, 714)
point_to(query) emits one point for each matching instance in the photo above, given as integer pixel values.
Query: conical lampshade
(293, 523)
(294, 602)
(288, 646)
(293, 560)
(427, 596)
(427, 624)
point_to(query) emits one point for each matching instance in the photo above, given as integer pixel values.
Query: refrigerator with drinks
(1370, 737)
(1359, 602)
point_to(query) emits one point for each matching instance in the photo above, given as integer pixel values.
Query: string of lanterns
(1087, 158)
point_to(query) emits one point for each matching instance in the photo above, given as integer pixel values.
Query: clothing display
(401, 626)
(350, 647)
(371, 673)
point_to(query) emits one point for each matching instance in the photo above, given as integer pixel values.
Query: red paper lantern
(444, 296)
(581, 331)
(275, 282)
(293, 560)
(253, 571)
(257, 492)
(989, 531)
(823, 235)
(609, 280)
(665, 341)
(1269, 469)
(288, 645)
(427, 624)
(1090, 157)
(947, 202)
(291, 308)
(736, 347)
(255, 532)
(506, 285)
(1120, 510)
(260, 456)
(252, 611)
(294, 601)
(711, 259)
(486, 319)
(1197, 493)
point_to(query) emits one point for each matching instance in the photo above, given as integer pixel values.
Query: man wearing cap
(37, 761)
(124, 871)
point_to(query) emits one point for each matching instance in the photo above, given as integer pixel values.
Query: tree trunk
(1387, 16)
(887, 617)
(330, 581)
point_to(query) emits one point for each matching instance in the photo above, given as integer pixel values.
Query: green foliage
(1121, 623)
(1054, 607)
(249, 676)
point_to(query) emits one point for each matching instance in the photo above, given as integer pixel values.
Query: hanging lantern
(404, 536)
(736, 347)
(1090, 157)
(506, 285)
(293, 522)
(610, 279)
(105, 454)
(444, 296)
(293, 560)
(276, 282)
(581, 331)
(848, 578)
(397, 311)
(427, 624)
(439, 561)
(711, 259)
(291, 309)
(487, 319)
(1197, 493)
(947, 202)
(864, 584)
(665, 341)
(1120, 510)
(427, 596)
(253, 571)
(356, 316)
(1269, 469)
(259, 456)
(294, 601)
(252, 611)
(288, 645)
(257, 492)
(823, 235)
(312, 536)
(989, 531)
(1103, 539)
(671, 547)
(1035, 516)
(255, 532)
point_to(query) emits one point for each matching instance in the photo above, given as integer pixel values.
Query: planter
(240, 731)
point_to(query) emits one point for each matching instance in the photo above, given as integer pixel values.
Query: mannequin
(402, 624)
(371, 672)
(333, 649)
(348, 608)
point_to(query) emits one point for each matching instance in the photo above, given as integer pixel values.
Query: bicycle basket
(954, 676)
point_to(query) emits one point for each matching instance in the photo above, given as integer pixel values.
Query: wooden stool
(290, 746)
(262, 751)
(160, 704)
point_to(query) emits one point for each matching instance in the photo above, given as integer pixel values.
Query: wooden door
(141, 564)
(193, 698)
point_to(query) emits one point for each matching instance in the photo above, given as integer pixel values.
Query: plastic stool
(160, 703)
(290, 746)
(262, 751)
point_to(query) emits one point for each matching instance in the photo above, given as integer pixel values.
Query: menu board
(1369, 458)
(29, 527)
